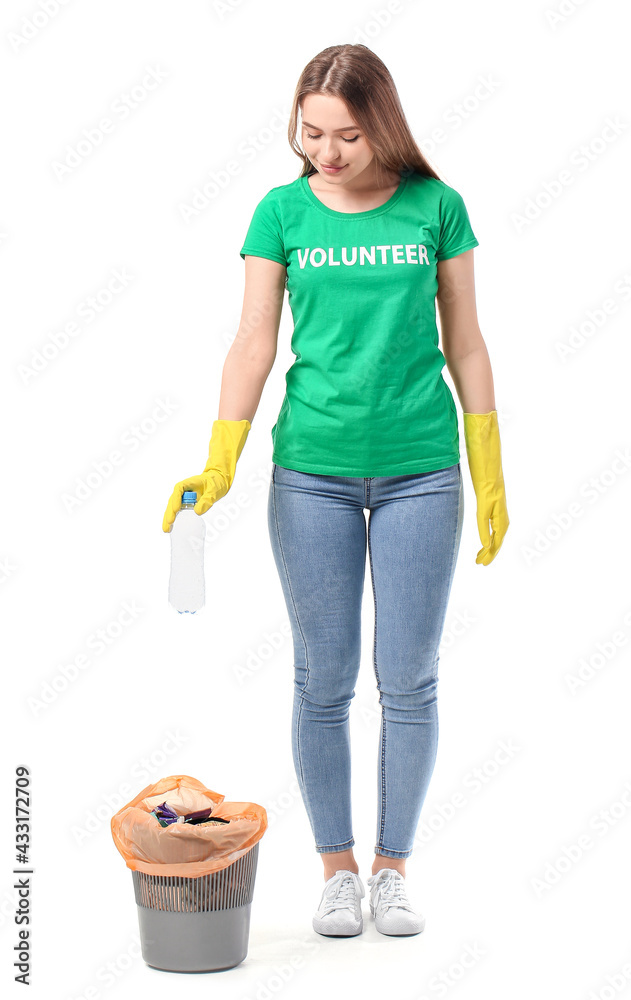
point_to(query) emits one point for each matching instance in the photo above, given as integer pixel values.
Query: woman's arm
(252, 353)
(463, 346)
(468, 363)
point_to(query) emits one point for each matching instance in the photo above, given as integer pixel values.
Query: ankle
(330, 872)
(382, 861)
(335, 861)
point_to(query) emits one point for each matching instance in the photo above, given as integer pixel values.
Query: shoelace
(340, 893)
(392, 891)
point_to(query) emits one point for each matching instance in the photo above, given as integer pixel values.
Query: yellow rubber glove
(482, 439)
(226, 444)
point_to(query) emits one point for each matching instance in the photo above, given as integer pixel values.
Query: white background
(516, 93)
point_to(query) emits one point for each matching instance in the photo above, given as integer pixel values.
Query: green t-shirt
(365, 395)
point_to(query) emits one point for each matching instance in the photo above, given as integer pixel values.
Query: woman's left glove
(482, 439)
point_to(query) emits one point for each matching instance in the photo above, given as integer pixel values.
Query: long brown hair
(356, 75)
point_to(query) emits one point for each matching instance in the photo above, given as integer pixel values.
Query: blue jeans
(318, 533)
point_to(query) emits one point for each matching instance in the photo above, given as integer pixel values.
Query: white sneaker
(339, 913)
(390, 906)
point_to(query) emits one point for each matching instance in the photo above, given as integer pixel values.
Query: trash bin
(193, 884)
(196, 924)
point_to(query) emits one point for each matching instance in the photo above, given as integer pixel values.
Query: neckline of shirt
(368, 214)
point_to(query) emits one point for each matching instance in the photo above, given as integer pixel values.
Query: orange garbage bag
(183, 848)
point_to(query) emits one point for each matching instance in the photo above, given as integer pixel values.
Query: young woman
(366, 239)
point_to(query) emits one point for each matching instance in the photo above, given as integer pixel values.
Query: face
(328, 141)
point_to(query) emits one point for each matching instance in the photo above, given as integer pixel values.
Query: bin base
(205, 941)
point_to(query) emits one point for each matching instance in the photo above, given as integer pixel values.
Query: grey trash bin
(196, 924)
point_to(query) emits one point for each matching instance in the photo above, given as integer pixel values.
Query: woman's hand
(482, 438)
(226, 444)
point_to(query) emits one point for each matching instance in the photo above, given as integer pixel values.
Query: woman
(365, 240)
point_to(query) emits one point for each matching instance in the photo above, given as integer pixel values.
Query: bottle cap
(189, 496)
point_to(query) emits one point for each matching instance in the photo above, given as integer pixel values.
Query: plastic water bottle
(188, 536)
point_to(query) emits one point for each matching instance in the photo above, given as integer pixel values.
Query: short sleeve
(456, 234)
(264, 237)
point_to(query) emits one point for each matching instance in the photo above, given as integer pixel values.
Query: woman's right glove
(226, 444)
(482, 439)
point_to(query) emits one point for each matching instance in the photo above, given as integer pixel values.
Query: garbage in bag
(165, 815)
(186, 845)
